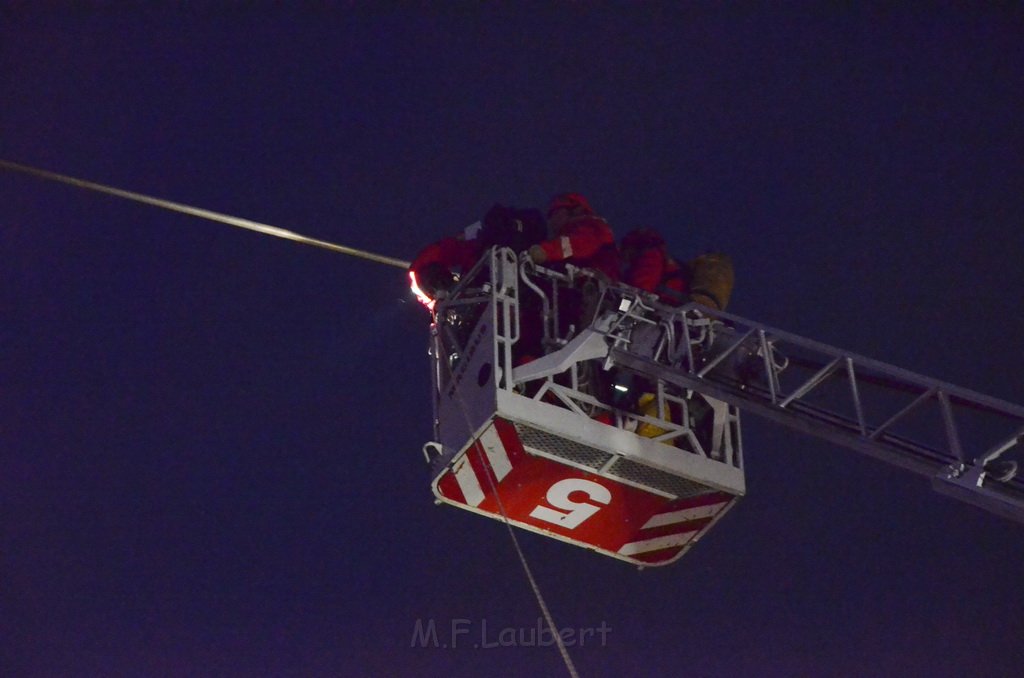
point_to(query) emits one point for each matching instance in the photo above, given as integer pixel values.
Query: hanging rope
(562, 650)
(265, 229)
(533, 582)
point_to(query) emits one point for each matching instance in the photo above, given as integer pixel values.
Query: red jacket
(655, 271)
(432, 271)
(453, 253)
(586, 241)
(650, 267)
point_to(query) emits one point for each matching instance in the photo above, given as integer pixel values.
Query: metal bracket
(587, 345)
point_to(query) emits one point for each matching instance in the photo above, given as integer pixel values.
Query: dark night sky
(210, 439)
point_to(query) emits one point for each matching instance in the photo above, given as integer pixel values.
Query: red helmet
(569, 201)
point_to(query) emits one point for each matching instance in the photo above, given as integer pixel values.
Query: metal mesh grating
(659, 480)
(591, 457)
(560, 447)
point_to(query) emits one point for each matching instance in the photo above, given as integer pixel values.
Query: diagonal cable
(488, 471)
(265, 229)
(529, 575)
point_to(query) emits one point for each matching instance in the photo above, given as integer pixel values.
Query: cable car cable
(265, 229)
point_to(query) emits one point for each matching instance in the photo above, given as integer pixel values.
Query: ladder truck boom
(592, 413)
(967, 443)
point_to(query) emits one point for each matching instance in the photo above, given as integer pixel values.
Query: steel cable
(265, 229)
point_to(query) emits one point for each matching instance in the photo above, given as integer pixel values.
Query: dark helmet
(512, 227)
(571, 202)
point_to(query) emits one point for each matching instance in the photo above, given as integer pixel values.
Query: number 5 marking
(558, 495)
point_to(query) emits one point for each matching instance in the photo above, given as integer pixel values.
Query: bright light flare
(421, 296)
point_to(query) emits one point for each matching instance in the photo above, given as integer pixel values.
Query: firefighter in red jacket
(579, 237)
(646, 264)
(435, 269)
(707, 279)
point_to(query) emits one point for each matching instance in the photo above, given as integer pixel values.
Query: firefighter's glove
(538, 255)
(437, 280)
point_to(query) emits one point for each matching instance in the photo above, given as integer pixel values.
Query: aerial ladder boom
(592, 413)
(967, 443)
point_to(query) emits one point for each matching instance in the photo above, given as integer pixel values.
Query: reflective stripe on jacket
(586, 241)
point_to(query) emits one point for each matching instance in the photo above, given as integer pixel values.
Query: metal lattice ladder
(968, 443)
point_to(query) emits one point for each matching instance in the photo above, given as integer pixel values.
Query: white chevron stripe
(495, 451)
(682, 516)
(668, 541)
(468, 483)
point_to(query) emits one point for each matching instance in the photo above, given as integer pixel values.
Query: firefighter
(578, 236)
(435, 270)
(647, 265)
(707, 279)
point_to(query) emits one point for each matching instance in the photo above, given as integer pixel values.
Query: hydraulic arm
(968, 443)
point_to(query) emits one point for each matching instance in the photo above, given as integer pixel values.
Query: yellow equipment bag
(712, 280)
